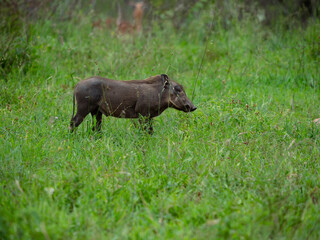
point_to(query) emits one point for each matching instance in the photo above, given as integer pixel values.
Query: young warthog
(143, 99)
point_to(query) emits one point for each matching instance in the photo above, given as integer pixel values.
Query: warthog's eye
(177, 89)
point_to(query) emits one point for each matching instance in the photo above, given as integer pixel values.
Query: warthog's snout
(190, 107)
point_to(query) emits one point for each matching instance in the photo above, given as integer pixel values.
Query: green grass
(244, 165)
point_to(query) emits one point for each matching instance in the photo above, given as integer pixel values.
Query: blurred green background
(244, 165)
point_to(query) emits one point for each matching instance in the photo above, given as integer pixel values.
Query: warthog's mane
(150, 80)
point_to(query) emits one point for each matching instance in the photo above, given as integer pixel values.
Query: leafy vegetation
(244, 165)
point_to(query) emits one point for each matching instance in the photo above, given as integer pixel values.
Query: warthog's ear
(165, 80)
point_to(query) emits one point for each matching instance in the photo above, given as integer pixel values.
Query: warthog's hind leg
(78, 118)
(98, 115)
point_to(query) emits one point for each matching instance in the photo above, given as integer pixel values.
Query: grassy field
(244, 165)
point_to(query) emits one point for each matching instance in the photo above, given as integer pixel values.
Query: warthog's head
(176, 95)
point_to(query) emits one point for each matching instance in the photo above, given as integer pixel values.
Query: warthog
(143, 99)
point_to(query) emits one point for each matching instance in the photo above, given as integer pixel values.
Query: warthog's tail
(73, 106)
(71, 128)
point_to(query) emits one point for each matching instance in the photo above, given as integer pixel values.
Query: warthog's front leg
(146, 124)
